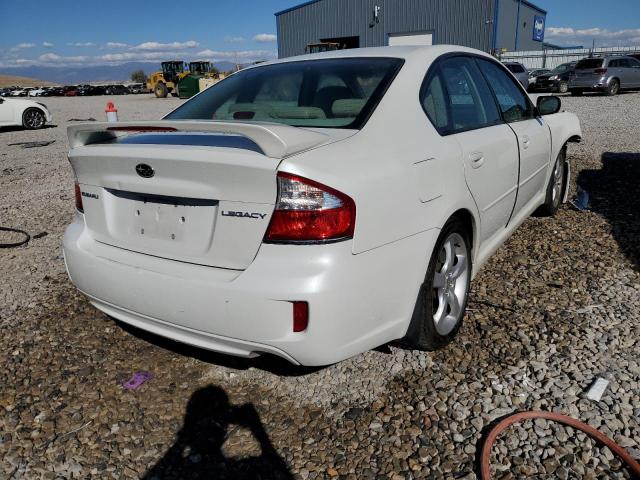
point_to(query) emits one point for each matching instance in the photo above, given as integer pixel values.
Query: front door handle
(476, 159)
(526, 141)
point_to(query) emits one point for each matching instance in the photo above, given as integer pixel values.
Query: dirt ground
(555, 308)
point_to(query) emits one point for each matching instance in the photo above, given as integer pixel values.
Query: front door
(534, 137)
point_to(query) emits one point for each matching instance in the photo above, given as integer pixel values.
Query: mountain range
(96, 73)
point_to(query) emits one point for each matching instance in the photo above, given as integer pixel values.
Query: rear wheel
(563, 87)
(33, 119)
(442, 299)
(556, 186)
(161, 90)
(614, 87)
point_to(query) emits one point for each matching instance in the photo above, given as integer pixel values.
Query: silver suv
(519, 71)
(605, 74)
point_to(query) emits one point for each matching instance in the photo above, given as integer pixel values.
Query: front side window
(513, 102)
(333, 93)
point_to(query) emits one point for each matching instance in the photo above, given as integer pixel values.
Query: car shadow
(613, 193)
(210, 419)
(267, 362)
(17, 128)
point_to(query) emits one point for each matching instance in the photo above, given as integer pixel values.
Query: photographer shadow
(198, 450)
(613, 193)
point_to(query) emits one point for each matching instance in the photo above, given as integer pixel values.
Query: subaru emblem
(144, 170)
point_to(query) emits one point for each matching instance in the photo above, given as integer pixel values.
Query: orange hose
(485, 467)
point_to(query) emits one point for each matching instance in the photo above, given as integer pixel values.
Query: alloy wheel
(450, 283)
(33, 119)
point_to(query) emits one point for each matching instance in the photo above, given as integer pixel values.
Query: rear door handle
(476, 159)
(526, 141)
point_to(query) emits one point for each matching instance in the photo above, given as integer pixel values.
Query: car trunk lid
(198, 192)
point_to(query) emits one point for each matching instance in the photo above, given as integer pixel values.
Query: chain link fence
(552, 58)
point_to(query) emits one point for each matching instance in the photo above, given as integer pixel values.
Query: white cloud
(117, 45)
(81, 44)
(55, 58)
(230, 39)
(22, 46)
(166, 46)
(48, 45)
(585, 36)
(265, 38)
(236, 56)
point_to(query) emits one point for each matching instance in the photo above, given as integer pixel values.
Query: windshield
(335, 93)
(561, 68)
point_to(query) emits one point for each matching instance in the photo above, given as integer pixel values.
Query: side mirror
(548, 105)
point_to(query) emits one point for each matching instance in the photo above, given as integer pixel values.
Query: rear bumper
(356, 302)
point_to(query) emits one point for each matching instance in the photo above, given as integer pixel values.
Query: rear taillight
(79, 206)
(307, 211)
(600, 71)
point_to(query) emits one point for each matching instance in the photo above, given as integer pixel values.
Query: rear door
(634, 70)
(460, 104)
(534, 137)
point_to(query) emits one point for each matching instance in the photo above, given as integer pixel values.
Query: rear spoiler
(274, 139)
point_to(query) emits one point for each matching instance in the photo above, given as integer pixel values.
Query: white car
(36, 92)
(315, 207)
(31, 115)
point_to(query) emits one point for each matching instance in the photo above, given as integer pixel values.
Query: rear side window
(515, 68)
(332, 93)
(456, 98)
(513, 103)
(588, 63)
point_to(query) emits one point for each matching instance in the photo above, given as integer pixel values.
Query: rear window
(588, 63)
(515, 68)
(333, 93)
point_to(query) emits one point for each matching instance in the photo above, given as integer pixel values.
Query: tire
(614, 88)
(563, 87)
(161, 90)
(442, 298)
(33, 119)
(556, 187)
(576, 93)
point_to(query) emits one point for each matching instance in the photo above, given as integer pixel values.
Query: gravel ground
(555, 308)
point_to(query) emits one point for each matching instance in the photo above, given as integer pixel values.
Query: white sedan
(318, 206)
(27, 113)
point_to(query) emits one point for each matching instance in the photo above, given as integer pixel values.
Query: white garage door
(411, 39)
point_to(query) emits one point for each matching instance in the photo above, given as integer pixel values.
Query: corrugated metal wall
(508, 21)
(460, 22)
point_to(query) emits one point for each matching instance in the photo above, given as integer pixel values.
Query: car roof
(407, 52)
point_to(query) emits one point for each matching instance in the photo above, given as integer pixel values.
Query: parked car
(608, 75)
(137, 88)
(535, 73)
(21, 92)
(69, 91)
(519, 71)
(555, 81)
(635, 55)
(116, 90)
(36, 92)
(302, 221)
(31, 115)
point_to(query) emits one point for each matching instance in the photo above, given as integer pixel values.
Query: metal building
(489, 25)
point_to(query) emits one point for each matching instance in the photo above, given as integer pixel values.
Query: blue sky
(74, 32)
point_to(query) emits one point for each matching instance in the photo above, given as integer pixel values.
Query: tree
(138, 77)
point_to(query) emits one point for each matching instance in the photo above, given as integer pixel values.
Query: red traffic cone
(112, 112)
